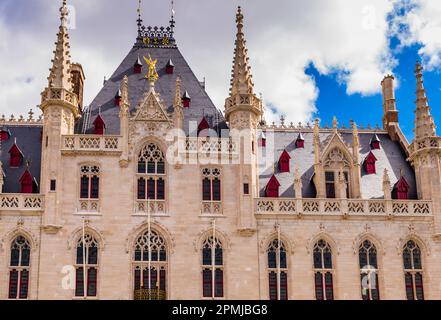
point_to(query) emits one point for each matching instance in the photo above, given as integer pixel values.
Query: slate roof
(201, 103)
(29, 142)
(390, 156)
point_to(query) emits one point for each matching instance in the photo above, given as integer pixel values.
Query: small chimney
(137, 67)
(118, 98)
(390, 112)
(186, 99)
(170, 67)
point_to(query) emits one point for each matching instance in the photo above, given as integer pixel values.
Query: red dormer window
(27, 182)
(272, 188)
(170, 67)
(369, 164)
(300, 142)
(118, 98)
(401, 190)
(99, 125)
(262, 140)
(16, 156)
(186, 99)
(375, 143)
(4, 134)
(137, 67)
(203, 127)
(284, 162)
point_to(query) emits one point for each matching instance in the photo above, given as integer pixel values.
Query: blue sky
(309, 58)
(367, 110)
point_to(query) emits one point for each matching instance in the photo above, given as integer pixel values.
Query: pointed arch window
(19, 266)
(367, 256)
(413, 271)
(277, 270)
(151, 173)
(212, 268)
(323, 271)
(86, 266)
(149, 266)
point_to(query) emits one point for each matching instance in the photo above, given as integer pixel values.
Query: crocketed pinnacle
(241, 78)
(60, 76)
(424, 124)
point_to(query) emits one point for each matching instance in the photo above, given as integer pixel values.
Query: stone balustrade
(343, 207)
(213, 146)
(21, 202)
(90, 143)
(143, 207)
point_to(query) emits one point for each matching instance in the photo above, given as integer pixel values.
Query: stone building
(151, 192)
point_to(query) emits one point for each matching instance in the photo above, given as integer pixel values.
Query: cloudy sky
(310, 58)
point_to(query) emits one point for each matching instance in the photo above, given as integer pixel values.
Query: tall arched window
(150, 267)
(277, 271)
(367, 256)
(151, 173)
(19, 268)
(323, 272)
(86, 266)
(413, 271)
(212, 268)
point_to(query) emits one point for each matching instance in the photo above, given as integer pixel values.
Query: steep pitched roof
(391, 157)
(29, 141)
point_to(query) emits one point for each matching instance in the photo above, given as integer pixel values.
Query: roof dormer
(300, 141)
(272, 188)
(99, 125)
(16, 156)
(284, 162)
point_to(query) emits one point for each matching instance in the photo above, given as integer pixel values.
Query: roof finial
(241, 81)
(139, 21)
(172, 21)
(64, 11)
(424, 124)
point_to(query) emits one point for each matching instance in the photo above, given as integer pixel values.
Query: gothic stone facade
(291, 211)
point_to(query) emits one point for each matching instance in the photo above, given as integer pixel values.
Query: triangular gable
(371, 158)
(15, 150)
(26, 177)
(151, 109)
(273, 181)
(402, 184)
(285, 155)
(99, 122)
(336, 142)
(203, 125)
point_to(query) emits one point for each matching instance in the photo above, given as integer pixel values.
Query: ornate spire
(241, 80)
(124, 92)
(424, 124)
(60, 76)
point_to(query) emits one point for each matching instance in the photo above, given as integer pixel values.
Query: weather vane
(152, 75)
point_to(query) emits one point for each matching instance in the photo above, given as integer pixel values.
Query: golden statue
(152, 75)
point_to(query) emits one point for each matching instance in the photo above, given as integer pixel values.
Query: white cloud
(348, 38)
(420, 24)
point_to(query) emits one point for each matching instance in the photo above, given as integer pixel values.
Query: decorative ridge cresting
(154, 36)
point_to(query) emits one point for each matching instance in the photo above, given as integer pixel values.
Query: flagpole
(278, 261)
(84, 259)
(213, 264)
(149, 244)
